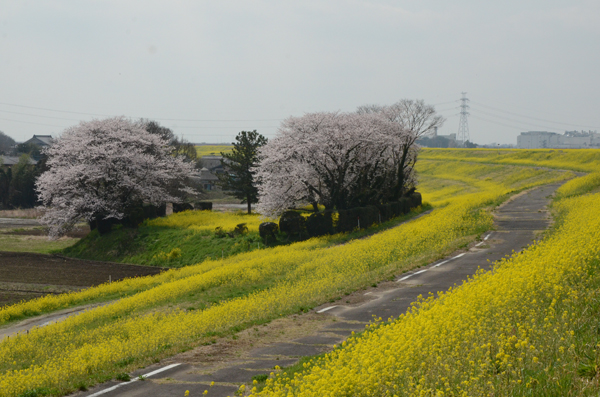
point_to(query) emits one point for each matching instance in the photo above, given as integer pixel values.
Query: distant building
(34, 146)
(207, 179)
(40, 140)
(568, 140)
(9, 161)
(438, 141)
(207, 176)
(212, 163)
(450, 137)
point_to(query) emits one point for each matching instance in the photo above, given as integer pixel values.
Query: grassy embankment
(189, 237)
(530, 327)
(182, 308)
(20, 240)
(179, 240)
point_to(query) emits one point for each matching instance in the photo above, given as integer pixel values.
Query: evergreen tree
(6, 143)
(240, 163)
(21, 190)
(5, 177)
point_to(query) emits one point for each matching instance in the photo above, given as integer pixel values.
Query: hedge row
(322, 223)
(363, 217)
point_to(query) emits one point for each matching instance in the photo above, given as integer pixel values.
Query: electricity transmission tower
(463, 124)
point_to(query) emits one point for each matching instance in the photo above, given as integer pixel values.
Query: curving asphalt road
(518, 223)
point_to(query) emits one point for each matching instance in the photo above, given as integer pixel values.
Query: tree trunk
(249, 205)
(315, 206)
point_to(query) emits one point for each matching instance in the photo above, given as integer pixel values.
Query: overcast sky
(209, 69)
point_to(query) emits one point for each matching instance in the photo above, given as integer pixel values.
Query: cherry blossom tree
(100, 170)
(343, 160)
(415, 119)
(323, 158)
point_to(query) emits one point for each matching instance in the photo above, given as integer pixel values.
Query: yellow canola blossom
(507, 332)
(587, 160)
(212, 150)
(312, 279)
(578, 186)
(305, 274)
(172, 283)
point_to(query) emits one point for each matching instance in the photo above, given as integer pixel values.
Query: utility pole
(463, 124)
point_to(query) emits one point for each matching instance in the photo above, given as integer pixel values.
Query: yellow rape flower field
(528, 328)
(513, 330)
(587, 160)
(212, 150)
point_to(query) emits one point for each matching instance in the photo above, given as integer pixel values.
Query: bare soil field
(25, 276)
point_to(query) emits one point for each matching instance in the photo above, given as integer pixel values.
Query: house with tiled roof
(40, 140)
(9, 161)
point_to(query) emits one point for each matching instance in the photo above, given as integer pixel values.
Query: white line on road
(367, 293)
(161, 370)
(133, 380)
(478, 244)
(441, 263)
(327, 308)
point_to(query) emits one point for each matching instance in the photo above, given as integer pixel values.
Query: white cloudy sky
(208, 69)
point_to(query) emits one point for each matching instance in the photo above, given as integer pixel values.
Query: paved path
(43, 320)
(518, 223)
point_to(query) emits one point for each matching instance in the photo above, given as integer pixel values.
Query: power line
(513, 120)
(502, 124)
(445, 103)
(31, 122)
(229, 127)
(533, 118)
(231, 134)
(160, 118)
(53, 110)
(107, 115)
(35, 115)
(447, 110)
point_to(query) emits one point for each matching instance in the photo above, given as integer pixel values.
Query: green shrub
(203, 205)
(123, 377)
(292, 223)
(219, 232)
(320, 224)
(267, 231)
(348, 220)
(240, 229)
